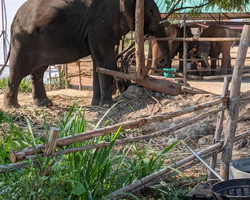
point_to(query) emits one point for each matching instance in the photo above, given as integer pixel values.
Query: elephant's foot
(95, 102)
(8, 103)
(42, 102)
(107, 104)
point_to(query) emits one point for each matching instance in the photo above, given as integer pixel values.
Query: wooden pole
(139, 39)
(191, 39)
(184, 53)
(219, 125)
(79, 76)
(11, 167)
(3, 33)
(49, 77)
(52, 142)
(233, 110)
(66, 76)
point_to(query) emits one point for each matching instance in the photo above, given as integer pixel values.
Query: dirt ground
(137, 102)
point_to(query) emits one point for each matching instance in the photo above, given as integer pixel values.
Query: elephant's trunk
(204, 56)
(165, 61)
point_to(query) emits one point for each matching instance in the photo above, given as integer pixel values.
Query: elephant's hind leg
(38, 91)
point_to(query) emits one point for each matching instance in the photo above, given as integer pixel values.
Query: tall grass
(85, 175)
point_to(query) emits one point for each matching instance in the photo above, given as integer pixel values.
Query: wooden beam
(233, 110)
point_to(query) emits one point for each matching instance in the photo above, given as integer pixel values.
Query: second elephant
(175, 47)
(213, 49)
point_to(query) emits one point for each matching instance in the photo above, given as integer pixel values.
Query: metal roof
(207, 13)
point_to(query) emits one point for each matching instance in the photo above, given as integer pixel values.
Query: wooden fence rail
(66, 141)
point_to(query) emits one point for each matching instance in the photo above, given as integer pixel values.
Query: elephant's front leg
(38, 91)
(103, 93)
(226, 62)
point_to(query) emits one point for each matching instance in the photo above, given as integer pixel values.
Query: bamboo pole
(184, 53)
(15, 166)
(191, 39)
(162, 172)
(3, 32)
(218, 130)
(66, 141)
(49, 77)
(66, 76)
(247, 75)
(79, 74)
(139, 40)
(233, 111)
(59, 75)
(11, 167)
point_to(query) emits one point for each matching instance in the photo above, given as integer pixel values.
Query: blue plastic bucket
(167, 75)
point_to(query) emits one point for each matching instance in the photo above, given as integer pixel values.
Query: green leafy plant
(84, 175)
(25, 85)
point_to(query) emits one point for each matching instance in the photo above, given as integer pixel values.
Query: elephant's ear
(127, 8)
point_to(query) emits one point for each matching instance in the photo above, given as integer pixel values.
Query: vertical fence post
(66, 76)
(3, 33)
(218, 130)
(49, 77)
(233, 110)
(59, 75)
(51, 146)
(184, 53)
(139, 40)
(79, 72)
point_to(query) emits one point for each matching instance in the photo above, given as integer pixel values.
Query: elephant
(47, 32)
(213, 49)
(175, 47)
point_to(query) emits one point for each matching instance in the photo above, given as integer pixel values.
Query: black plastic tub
(236, 189)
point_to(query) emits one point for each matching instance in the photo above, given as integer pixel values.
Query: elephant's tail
(8, 57)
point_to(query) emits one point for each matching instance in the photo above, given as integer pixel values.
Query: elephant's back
(36, 15)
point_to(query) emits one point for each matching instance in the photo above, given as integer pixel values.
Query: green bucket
(167, 75)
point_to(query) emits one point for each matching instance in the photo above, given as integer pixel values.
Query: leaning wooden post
(219, 125)
(139, 40)
(184, 53)
(233, 110)
(79, 72)
(51, 146)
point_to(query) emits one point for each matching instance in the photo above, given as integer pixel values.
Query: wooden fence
(229, 103)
